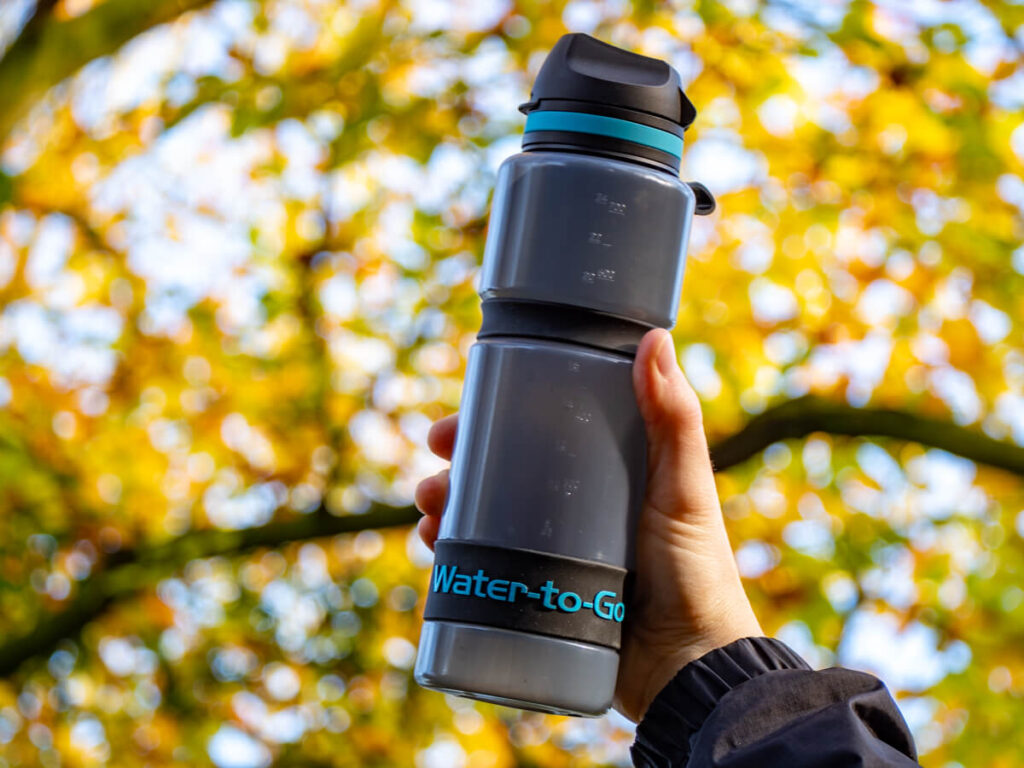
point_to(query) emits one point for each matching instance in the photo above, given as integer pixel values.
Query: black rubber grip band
(561, 322)
(527, 591)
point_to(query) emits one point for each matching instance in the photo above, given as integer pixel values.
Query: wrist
(666, 665)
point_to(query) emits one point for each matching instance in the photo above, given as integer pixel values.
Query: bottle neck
(600, 130)
(600, 151)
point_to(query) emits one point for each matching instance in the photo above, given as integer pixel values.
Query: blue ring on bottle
(602, 125)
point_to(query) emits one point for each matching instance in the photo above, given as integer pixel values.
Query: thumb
(680, 477)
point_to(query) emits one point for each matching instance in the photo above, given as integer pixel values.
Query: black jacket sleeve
(756, 704)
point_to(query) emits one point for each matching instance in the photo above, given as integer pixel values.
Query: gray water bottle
(585, 252)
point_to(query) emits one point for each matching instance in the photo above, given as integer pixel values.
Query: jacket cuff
(682, 706)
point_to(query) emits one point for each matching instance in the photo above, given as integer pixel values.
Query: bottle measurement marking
(614, 207)
(604, 275)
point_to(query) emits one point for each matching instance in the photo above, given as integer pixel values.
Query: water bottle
(588, 231)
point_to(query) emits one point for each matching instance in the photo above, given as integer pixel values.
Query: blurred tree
(237, 249)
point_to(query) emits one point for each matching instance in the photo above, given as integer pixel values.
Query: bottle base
(517, 669)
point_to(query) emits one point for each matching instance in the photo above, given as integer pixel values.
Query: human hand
(687, 597)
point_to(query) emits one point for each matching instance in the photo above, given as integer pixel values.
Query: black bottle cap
(594, 98)
(581, 68)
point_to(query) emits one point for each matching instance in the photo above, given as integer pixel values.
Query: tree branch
(129, 571)
(806, 415)
(132, 570)
(48, 50)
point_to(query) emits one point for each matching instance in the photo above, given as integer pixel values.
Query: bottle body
(588, 231)
(548, 472)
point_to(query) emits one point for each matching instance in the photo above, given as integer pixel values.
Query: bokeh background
(238, 244)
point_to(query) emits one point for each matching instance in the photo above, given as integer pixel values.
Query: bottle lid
(592, 96)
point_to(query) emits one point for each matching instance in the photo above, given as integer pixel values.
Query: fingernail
(666, 357)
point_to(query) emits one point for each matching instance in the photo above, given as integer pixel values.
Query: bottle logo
(527, 591)
(447, 579)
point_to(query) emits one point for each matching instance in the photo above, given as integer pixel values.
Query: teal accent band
(583, 122)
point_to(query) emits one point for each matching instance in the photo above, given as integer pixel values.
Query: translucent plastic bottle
(585, 253)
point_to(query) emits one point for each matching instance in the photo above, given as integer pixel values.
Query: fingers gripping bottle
(585, 251)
